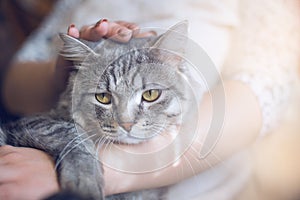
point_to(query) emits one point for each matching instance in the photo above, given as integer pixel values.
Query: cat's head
(129, 92)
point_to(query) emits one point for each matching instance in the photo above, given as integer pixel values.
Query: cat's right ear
(73, 49)
(171, 46)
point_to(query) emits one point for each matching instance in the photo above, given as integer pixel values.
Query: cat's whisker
(106, 144)
(97, 147)
(103, 142)
(99, 143)
(99, 140)
(111, 143)
(65, 154)
(70, 142)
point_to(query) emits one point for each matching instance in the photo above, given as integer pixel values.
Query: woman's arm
(241, 127)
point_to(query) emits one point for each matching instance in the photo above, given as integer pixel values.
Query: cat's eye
(104, 98)
(151, 95)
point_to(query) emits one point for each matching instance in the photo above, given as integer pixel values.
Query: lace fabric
(265, 54)
(271, 95)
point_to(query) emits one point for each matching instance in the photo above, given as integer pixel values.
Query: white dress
(253, 41)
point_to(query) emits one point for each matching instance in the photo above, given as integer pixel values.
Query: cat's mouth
(132, 133)
(128, 137)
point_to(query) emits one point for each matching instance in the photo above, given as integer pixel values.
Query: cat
(124, 93)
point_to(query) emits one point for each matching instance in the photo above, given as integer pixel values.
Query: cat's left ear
(74, 50)
(173, 42)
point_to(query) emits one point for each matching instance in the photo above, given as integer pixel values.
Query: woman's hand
(26, 173)
(119, 31)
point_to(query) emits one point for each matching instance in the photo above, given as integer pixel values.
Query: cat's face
(135, 101)
(136, 96)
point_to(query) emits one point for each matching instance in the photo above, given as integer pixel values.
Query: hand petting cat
(120, 31)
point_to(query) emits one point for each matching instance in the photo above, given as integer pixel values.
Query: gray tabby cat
(125, 93)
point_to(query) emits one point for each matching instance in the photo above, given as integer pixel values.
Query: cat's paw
(81, 173)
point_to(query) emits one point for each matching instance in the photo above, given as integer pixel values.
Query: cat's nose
(127, 126)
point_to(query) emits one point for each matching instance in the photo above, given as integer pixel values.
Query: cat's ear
(173, 41)
(73, 49)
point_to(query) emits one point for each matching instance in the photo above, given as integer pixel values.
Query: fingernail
(100, 21)
(72, 31)
(71, 26)
(153, 33)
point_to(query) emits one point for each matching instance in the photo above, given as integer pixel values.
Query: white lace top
(265, 53)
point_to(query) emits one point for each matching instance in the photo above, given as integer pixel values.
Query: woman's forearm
(29, 88)
(241, 127)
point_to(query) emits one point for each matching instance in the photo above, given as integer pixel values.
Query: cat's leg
(78, 169)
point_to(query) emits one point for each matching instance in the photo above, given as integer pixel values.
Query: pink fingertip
(103, 28)
(73, 31)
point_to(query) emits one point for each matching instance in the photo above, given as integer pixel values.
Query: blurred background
(18, 18)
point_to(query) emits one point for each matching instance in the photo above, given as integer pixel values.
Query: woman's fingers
(136, 30)
(102, 29)
(26, 174)
(119, 31)
(146, 34)
(95, 32)
(73, 31)
(131, 26)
